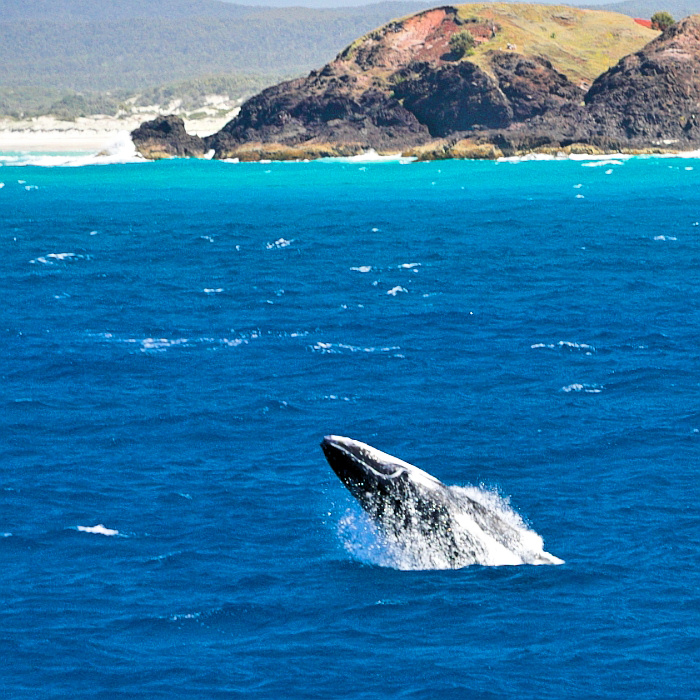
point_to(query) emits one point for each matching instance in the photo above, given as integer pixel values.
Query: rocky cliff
(402, 88)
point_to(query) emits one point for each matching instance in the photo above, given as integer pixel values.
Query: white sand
(86, 134)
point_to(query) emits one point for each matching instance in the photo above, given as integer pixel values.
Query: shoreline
(86, 135)
(74, 147)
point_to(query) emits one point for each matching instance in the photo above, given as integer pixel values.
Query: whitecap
(279, 243)
(2, 184)
(409, 266)
(396, 290)
(599, 163)
(29, 188)
(52, 258)
(371, 156)
(217, 290)
(565, 345)
(583, 388)
(362, 268)
(98, 530)
(150, 345)
(186, 616)
(579, 196)
(339, 348)
(665, 238)
(119, 150)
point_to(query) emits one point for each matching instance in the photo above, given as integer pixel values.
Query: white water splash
(397, 290)
(583, 388)
(486, 531)
(98, 530)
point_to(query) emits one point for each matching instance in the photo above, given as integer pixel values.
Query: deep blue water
(547, 345)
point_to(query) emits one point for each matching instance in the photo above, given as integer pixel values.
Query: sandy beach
(86, 134)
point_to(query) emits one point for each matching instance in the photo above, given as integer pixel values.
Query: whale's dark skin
(412, 506)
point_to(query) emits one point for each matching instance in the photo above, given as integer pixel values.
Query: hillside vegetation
(580, 43)
(51, 50)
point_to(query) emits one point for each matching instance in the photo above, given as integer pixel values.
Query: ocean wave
(565, 345)
(97, 530)
(583, 388)
(119, 151)
(665, 238)
(279, 243)
(362, 268)
(340, 348)
(164, 344)
(397, 290)
(53, 258)
(371, 156)
(599, 163)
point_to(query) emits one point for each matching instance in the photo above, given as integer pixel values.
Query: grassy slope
(582, 44)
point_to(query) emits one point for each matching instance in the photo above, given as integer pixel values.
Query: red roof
(644, 22)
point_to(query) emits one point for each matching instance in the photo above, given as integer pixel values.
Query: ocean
(176, 339)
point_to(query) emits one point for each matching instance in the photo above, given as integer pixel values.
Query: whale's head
(373, 477)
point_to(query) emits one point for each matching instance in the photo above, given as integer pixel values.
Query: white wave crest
(279, 243)
(120, 150)
(583, 388)
(97, 530)
(53, 258)
(599, 163)
(371, 156)
(566, 345)
(165, 344)
(338, 348)
(397, 290)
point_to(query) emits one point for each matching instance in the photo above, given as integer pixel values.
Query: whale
(428, 524)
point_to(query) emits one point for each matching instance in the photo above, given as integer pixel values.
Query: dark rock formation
(461, 96)
(165, 137)
(451, 98)
(652, 97)
(531, 85)
(321, 109)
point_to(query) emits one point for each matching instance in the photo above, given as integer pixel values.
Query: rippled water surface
(177, 337)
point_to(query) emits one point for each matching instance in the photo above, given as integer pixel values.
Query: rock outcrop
(652, 97)
(401, 89)
(165, 137)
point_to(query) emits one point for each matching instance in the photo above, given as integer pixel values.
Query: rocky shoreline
(402, 90)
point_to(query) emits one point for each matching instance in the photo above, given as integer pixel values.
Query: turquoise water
(177, 337)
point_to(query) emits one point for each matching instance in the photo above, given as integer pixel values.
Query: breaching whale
(429, 524)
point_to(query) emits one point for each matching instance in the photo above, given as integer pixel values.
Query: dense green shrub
(661, 20)
(462, 43)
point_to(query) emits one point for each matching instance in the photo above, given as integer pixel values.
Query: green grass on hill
(582, 44)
